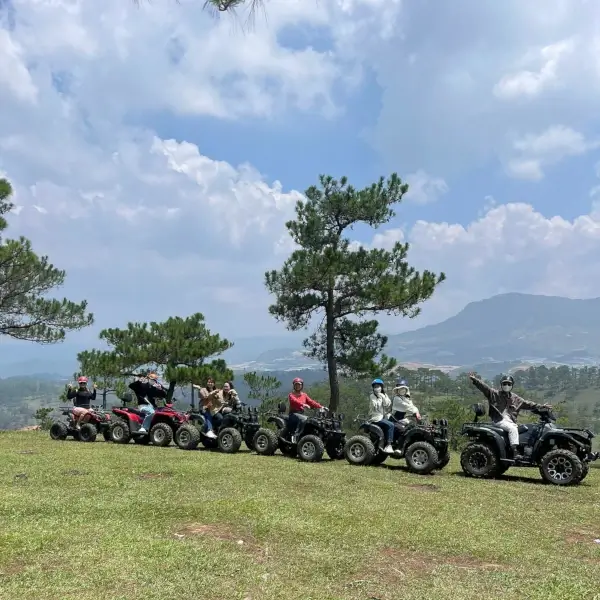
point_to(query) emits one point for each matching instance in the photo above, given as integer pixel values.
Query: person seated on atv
(504, 407)
(224, 401)
(207, 395)
(147, 404)
(82, 400)
(299, 400)
(380, 406)
(402, 405)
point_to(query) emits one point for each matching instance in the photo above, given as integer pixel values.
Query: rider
(379, 408)
(207, 396)
(82, 399)
(504, 407)
(402, 405)
(299, 400)
(147, 403)
(225, 401)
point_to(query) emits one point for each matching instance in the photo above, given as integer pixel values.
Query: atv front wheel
(106, 434)
(229, 440)
(285, 445)
(88, 433)
(187, 437)
(265, 442)
(561, 467)
(379, 458)
(161, 435)
(359, 450)
(143, 440)
(479, 460)
(59, 431)
(421, 458)
(335, 449)
(311, 448)
(586, 470)
(119, 432)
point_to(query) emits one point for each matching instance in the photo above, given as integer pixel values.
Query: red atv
(127, 421)
(98, 421)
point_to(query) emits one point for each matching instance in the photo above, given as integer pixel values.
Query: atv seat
(134, 411)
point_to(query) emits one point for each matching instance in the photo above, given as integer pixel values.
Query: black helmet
(507, 379)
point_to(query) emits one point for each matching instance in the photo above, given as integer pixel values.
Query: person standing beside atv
(299, 400)
(147, 404)
(402, 405)
(504, 407)
(82, 400)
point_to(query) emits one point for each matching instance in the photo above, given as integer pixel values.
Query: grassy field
(95, 521)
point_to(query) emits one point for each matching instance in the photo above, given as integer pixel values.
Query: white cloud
(548, 148)
(423, 188)
(531, 83)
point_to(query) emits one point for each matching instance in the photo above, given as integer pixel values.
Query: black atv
(237, 426)
(320, 433)
(98, 422)
(423, 446)
(561, 454)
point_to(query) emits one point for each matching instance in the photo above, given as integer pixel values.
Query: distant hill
(508, 328)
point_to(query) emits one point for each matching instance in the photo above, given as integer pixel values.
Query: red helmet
(297, 380)
(82, 380)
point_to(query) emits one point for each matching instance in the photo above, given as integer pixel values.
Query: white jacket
(404, 404)
(379, 406)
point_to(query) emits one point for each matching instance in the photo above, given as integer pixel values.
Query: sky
(157, 150)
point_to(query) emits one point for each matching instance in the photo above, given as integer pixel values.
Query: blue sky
(175, 145)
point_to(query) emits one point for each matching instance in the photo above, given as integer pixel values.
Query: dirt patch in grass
(12, 569)
(419, 561)
(224, 533)
(423, 487)
(74, 473)
(26, 452)
(155, 475)
(581, 536)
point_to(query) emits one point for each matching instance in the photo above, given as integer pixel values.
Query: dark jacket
(81, 397)
(147, 390)
(500, 401)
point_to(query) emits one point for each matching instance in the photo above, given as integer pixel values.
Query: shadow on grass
(505, 478)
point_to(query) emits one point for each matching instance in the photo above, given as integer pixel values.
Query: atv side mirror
(478, 409)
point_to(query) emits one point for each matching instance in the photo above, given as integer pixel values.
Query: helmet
(377, 382)
(82, 380)
(297, 380)
(507, 379)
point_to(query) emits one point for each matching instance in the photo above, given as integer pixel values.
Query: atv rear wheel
(59, 431)
(311, 448)
(443, 461)
(119, 432)
(335, 449)
(379, 458)
(561, 467)
(249, 440)
(88, 433)
(359, 450)
(229, 440)
(265, 442)
(586, 470)
(479, 460)
(161, 435)
(421, 458)
(187, 437)
(285, 445)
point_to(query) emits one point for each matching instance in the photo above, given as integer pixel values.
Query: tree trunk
(170, 392)
(334, 386)
(104, 394)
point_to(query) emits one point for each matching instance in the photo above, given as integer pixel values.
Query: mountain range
(493, 334)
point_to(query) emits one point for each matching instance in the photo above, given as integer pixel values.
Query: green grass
(95, 521)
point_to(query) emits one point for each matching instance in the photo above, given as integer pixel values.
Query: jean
(208, 419)
(388, 429)
(217, 420)
(149, 410)
(295, 421)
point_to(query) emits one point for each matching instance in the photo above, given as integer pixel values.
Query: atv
(320, 433)
(561, 454)
(98, 422)
(424, 446)
(236, 427)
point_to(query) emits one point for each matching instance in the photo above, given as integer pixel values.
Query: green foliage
(178, 347)
(265, 389)
(42, 416)
(25, 279)
(328, 277)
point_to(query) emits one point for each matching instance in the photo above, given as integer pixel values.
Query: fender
(491, 436)
(558, 436)
(279, 422)
(373, 431)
